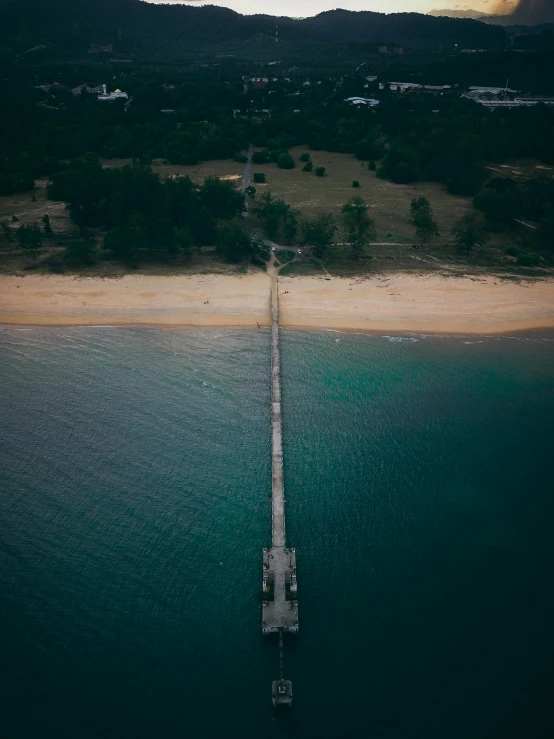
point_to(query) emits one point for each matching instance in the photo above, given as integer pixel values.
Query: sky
(304, 8)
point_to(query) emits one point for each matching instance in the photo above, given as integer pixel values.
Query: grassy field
(389, 203)
(389, 206)
(521, 169)
(30, 207)
(226, 169)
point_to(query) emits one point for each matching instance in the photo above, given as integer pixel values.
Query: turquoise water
(134, 504)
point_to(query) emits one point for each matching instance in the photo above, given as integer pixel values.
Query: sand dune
(398, 302)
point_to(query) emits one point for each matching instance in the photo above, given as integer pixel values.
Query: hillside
(36, 21)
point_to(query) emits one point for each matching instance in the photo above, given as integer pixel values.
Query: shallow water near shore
(134, 505)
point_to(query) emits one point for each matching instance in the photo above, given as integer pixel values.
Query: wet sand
(397, 302)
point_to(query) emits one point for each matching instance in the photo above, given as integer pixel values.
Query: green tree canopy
(422, 218)
(469, 232)
(360, 228)
(30, 238)
(319, 233)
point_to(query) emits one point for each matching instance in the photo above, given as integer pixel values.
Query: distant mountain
(475, 14)
(211, 25)
(525, 12)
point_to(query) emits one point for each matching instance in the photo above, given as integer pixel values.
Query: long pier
(280, 605)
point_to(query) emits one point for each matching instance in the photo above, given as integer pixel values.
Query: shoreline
(397, 303)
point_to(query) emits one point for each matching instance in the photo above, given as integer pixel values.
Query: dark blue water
(134, 504)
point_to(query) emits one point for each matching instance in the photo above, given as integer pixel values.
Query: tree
(81, 251)
(422, 218)
(355, 183)
(47, 227)
(499, 208)
(250, 192)
(546, 232)
(30, 238)
(290, 225)
(319, 171)
(274, 213)
(221, 198)
(308, 167)
(7, 230)
(234, 242)
(466, 179)
(259, 177)
(360, 228)
(319, 234)
(184, 241)
(12, 183)
(286, 161)
(261, 157)
(126, 243)
(469, 231)
(305, 157)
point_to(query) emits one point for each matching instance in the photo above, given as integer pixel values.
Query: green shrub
(240, 157)
(305, 157)
(355, 183)
(511, 251)
(320, 171)
(261, 157)
(308, 167)
(372, 166)
(259, 177)
(527, 260)
(55, 264)
(285, 161)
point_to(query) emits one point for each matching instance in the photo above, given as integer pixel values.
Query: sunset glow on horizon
(306, 8)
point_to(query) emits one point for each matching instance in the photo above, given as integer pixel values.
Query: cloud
(530, 12)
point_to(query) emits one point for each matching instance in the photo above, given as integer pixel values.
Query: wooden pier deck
(280, 606)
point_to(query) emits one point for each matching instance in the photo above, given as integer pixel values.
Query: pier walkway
(280, 606)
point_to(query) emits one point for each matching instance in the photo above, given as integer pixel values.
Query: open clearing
(30, 207)
(389, 203)
(311, 195)
(226, 169)
(521, 169)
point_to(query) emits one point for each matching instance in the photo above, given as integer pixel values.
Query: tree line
(412, 137)
(146, 217)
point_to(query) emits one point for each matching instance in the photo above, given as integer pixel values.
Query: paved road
(247, 176)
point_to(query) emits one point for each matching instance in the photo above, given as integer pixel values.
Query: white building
(117, 95)
(362, 101)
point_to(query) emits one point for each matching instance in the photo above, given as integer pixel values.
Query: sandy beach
(397, 302)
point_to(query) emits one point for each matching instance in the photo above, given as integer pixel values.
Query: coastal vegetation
(197, 119)
(145, 217)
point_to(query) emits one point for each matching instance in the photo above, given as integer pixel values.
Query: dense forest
(146, 218)
(413, 137)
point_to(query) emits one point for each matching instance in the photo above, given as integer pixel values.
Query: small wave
(401, 339)
(473, 342)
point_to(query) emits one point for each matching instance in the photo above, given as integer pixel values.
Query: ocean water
(134, 505)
